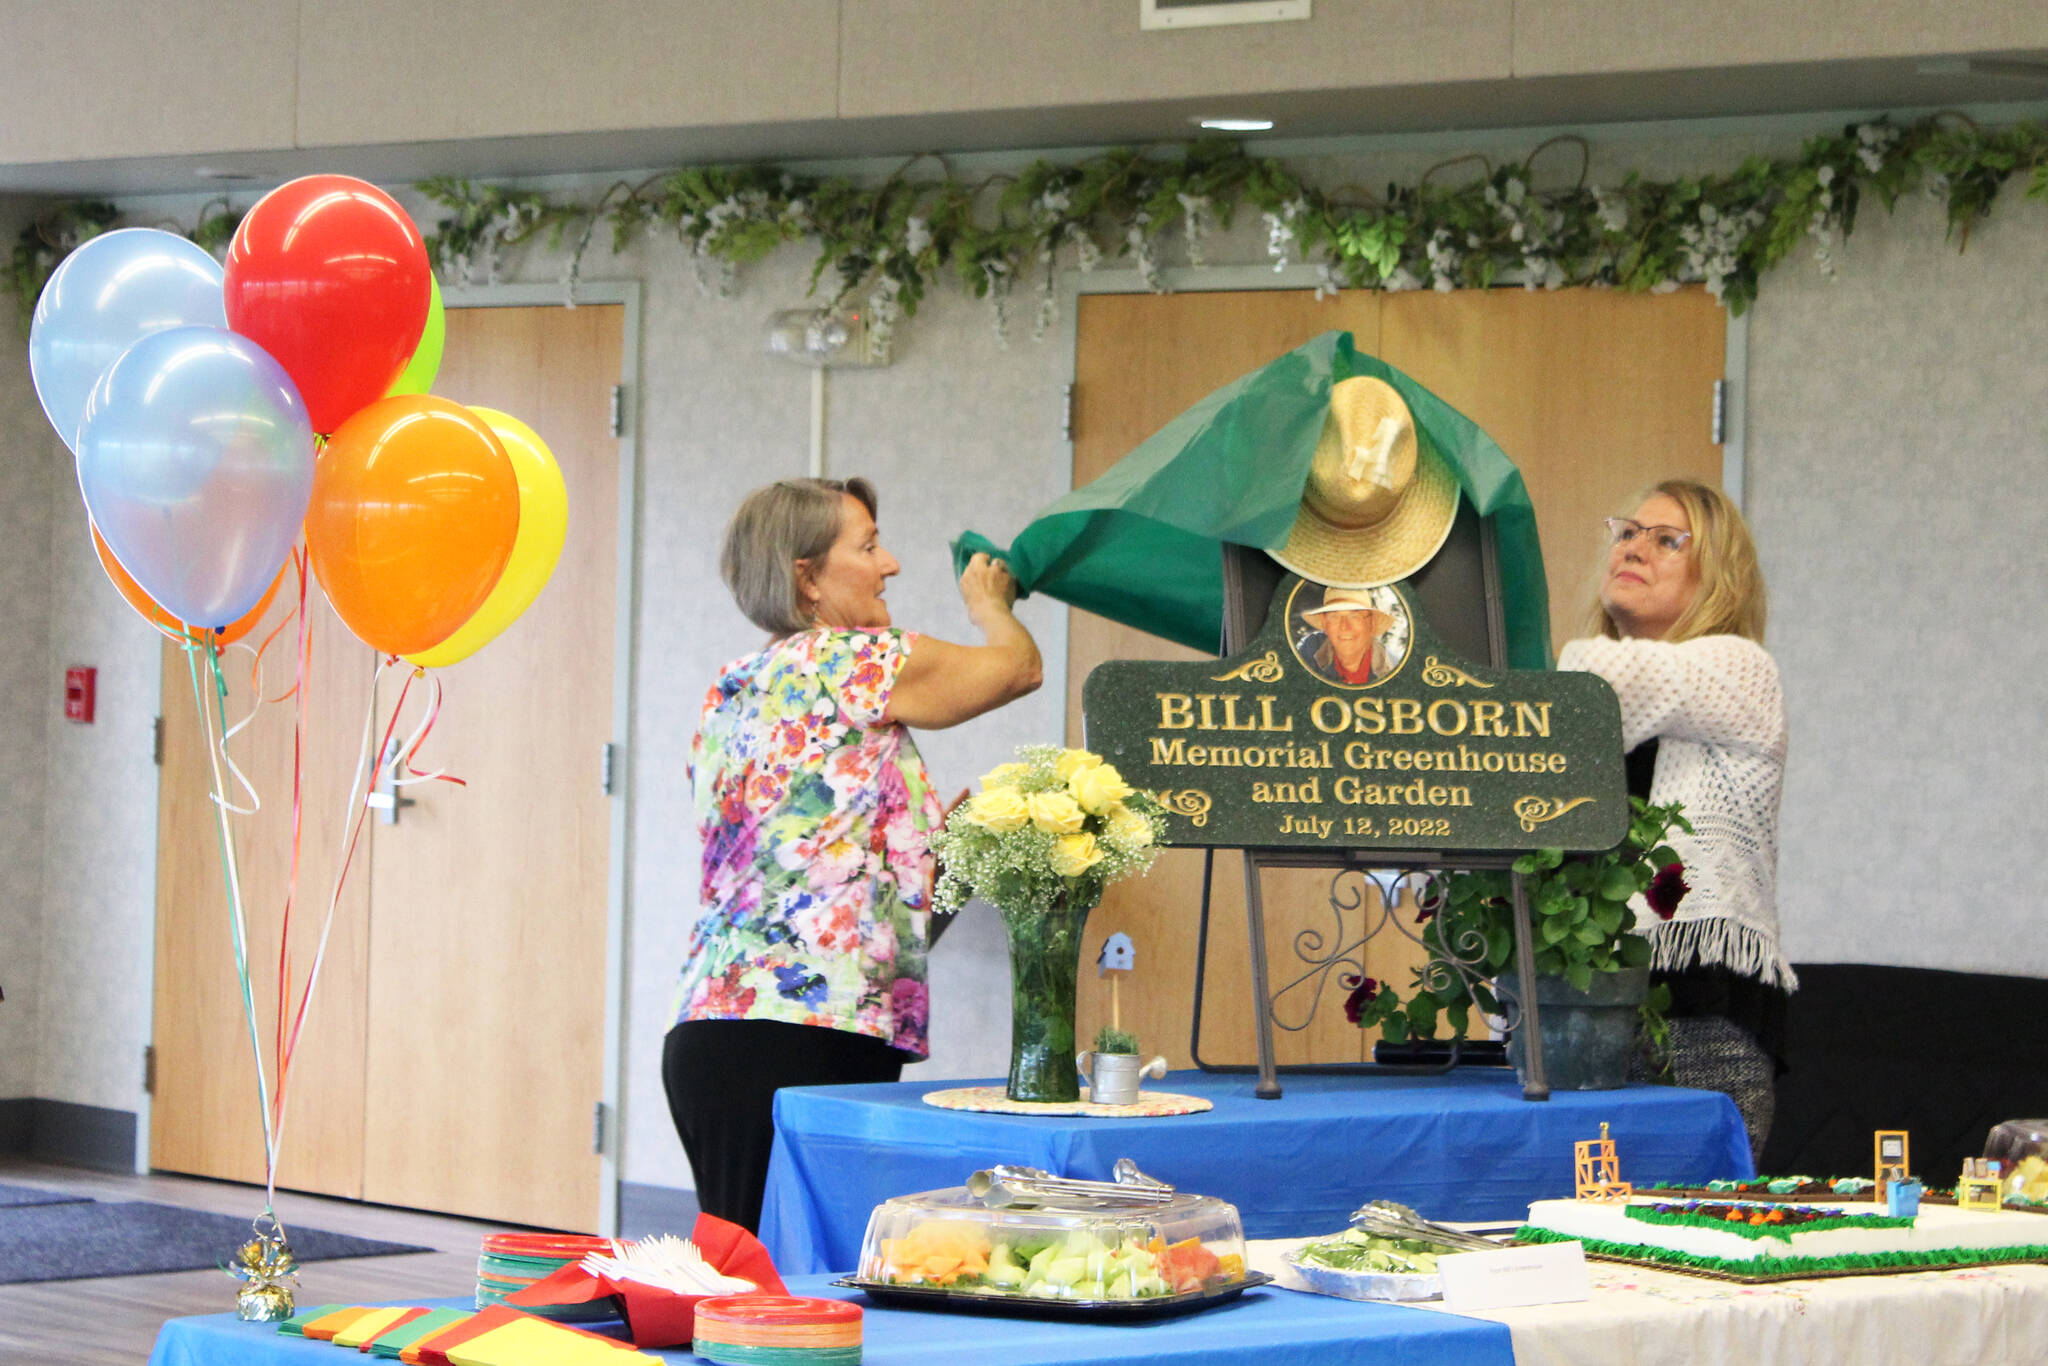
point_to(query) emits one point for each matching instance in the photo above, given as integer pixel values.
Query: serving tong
(1392, 1219)
(1010, 1187)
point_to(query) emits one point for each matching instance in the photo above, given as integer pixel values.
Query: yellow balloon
(543, 523)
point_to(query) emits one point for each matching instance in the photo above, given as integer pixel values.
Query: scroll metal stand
(1465, 575)
(1322, 956)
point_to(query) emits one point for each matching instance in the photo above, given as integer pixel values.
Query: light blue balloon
(104, 297)
(195, 457)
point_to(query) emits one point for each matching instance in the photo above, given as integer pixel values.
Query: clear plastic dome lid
(1094, 1250)
(2020, 1147)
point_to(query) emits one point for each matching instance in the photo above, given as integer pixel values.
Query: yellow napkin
(369, 1326)
(539, 1342)
(325, 1327)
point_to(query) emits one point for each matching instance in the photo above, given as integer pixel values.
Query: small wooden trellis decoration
(1599, 1170)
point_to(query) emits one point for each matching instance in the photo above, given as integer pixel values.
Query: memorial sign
(1348, 725)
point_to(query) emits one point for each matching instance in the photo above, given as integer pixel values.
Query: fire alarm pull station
(78, 689)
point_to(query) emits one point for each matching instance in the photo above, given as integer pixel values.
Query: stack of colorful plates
(778, 1330)
(513, 1261)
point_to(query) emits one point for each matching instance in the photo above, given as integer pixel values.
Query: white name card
(1543, 1273)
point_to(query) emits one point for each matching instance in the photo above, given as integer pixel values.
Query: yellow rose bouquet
(1040, 841)
(1059, 824)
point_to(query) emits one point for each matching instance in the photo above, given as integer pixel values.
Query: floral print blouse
(814, 813)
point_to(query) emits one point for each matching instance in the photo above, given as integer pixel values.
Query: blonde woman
(1678, 631)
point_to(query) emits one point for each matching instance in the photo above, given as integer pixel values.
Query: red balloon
(330, 276)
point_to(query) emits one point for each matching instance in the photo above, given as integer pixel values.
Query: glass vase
(1045, 963)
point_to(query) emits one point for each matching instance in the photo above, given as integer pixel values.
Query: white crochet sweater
(1714, 706)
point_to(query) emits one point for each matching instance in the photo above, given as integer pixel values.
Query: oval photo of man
(1352, 637)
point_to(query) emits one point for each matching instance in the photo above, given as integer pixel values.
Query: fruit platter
(1095, 1257)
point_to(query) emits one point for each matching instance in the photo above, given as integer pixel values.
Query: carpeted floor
(12, 1197)
(88, 1238)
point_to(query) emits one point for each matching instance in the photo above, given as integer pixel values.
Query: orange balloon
(162, 620)
(415, 509)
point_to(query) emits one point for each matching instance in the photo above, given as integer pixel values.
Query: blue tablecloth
(1462, 1146)
(1280, 1327)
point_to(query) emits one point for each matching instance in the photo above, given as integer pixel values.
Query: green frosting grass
(1649, 1214)
(1795, 1266)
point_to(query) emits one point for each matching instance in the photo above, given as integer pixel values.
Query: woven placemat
(991, 1100)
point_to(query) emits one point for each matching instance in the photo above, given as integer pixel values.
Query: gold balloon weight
(267, 1269)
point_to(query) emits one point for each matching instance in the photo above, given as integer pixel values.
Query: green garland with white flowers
(1467, 223)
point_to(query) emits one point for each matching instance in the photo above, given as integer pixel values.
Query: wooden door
(205, 1118)
(1593, 395)
(487, 902)
(453, 1053)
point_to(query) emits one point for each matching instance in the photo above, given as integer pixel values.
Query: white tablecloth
(1979, 1316)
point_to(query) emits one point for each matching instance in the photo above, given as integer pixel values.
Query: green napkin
(391, 1343)
(295, 1326)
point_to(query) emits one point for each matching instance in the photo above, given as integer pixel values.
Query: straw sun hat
(1378, 503)
(1350, 600)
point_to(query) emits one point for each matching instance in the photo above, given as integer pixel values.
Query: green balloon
(419, 372)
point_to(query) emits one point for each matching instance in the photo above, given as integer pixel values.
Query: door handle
(384, 799)
(387, 805)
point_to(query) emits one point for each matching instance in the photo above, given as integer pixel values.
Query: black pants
(721, 1077)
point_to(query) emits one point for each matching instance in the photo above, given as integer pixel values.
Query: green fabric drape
(1142, 545)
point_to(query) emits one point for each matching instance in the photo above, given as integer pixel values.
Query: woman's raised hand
(943, 684)
(986, 585)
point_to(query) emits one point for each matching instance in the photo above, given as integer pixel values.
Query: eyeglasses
(1668, 540)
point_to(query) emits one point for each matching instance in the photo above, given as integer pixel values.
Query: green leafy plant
(1579, 915)
(1467, 223)
(1109, 1040)
(43, 245)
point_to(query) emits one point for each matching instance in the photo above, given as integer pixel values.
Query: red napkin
(661, 1318)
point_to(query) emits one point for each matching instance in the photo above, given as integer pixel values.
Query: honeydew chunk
(1041, 1262)
(1065, 1271)
(1003, 1269)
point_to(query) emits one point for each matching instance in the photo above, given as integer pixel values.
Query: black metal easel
(1464, 575)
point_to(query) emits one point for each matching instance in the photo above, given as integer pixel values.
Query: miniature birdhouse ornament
(1119, 955)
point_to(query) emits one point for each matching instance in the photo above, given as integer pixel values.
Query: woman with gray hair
(806, 963)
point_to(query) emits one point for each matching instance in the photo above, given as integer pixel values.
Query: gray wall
(267, 85)
(1899, 489)
(1897, 467)
(27, 693)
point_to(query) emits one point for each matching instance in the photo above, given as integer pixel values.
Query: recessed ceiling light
(2019, 69)
(1235, 125)
(216, 173)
